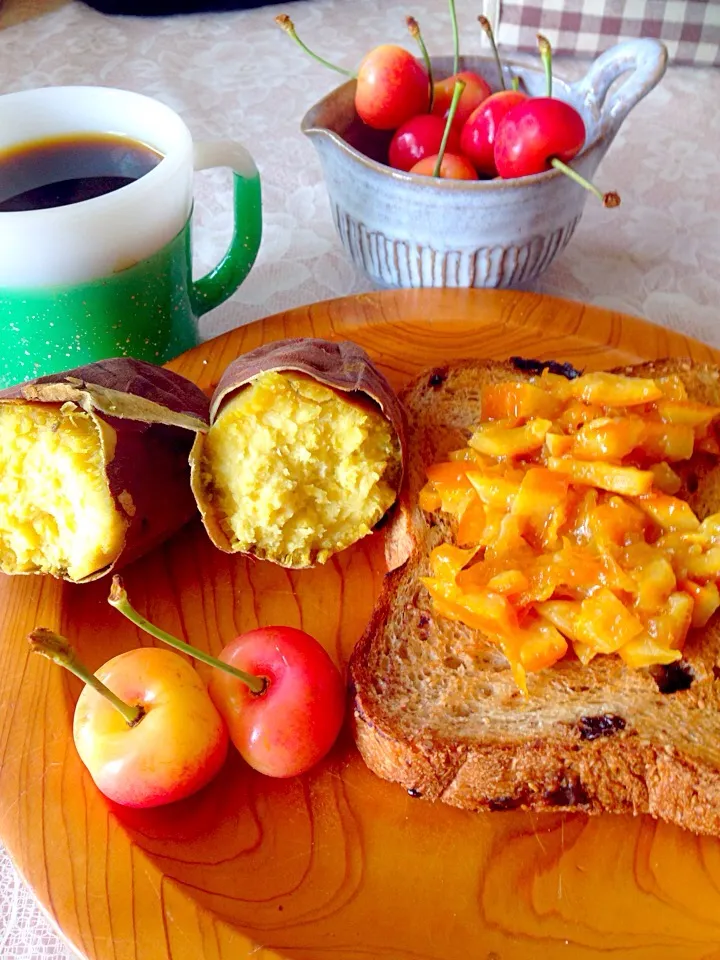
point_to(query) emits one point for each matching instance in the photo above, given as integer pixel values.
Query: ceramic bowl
(406, 230)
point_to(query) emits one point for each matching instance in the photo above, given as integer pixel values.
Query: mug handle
(646, 58)
(222, 281)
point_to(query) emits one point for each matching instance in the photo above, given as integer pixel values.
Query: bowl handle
(647, 59)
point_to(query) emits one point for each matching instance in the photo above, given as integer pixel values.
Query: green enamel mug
(112, 275)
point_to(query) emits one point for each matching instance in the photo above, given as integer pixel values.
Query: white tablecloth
(234, 75)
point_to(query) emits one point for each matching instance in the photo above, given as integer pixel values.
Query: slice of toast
(436, 708)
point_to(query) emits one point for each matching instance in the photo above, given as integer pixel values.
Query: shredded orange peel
(569, 535)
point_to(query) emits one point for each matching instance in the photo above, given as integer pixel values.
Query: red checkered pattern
(689, 28)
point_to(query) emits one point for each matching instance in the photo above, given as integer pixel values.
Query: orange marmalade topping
(568, 530)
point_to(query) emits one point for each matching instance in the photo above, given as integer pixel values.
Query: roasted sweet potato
(94, 466)
(304, 454)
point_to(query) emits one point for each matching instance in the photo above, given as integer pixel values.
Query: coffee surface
(58, 171)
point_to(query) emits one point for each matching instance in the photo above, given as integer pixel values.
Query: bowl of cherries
(464, 171)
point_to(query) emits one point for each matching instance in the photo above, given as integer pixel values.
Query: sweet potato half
(304, 455)
(94, 466)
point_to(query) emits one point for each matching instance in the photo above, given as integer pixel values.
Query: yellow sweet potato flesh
(57, 514)
(296, 470)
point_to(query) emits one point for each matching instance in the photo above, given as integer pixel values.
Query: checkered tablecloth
(689, 28)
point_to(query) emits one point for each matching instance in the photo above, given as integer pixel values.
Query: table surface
(234, 75)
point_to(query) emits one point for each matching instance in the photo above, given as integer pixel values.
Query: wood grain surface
(336, 864)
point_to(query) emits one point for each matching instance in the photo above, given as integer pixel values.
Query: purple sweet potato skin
(148, 473)
(150, 465)
(343, 365)
(130, 376)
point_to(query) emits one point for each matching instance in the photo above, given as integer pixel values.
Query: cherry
(392, 87)
(449, 166)
(541, 133)
(292, 725)
(276, 688)
(477, 140)
(538, 130)
(533, 132)
(417, 138)
(476, 90)
(144, 724)
(452, 167)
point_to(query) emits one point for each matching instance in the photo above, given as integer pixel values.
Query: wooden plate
(337, 864)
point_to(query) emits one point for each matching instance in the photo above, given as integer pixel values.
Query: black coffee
(62, 170)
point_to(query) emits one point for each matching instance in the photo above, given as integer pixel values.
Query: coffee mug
(112, 275)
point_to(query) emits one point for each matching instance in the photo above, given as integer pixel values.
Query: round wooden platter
(336, 864)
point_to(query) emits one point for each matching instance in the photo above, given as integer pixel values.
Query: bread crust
(449, 726)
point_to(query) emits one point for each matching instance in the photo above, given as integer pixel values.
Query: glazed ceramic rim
(442, 183)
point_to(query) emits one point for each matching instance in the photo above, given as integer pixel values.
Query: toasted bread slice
(437, 710)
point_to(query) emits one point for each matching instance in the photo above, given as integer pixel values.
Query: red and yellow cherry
(543, 133)
(533, 133)
(449, 166)
(453, 166)
(144, 724)
(477, 140)
(539, 130)
(391, 88)
(476, 91)
(291, 725)
(391, 85)
(277, 689)
(417, 138)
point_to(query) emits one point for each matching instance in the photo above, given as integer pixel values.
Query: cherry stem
(487, 27)
(546, 57)
(457, 93)
(56, 648)
(515, 84)
(286, 24)
(119, 599)
(414, 28)
(456, 37)
(609, 200)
